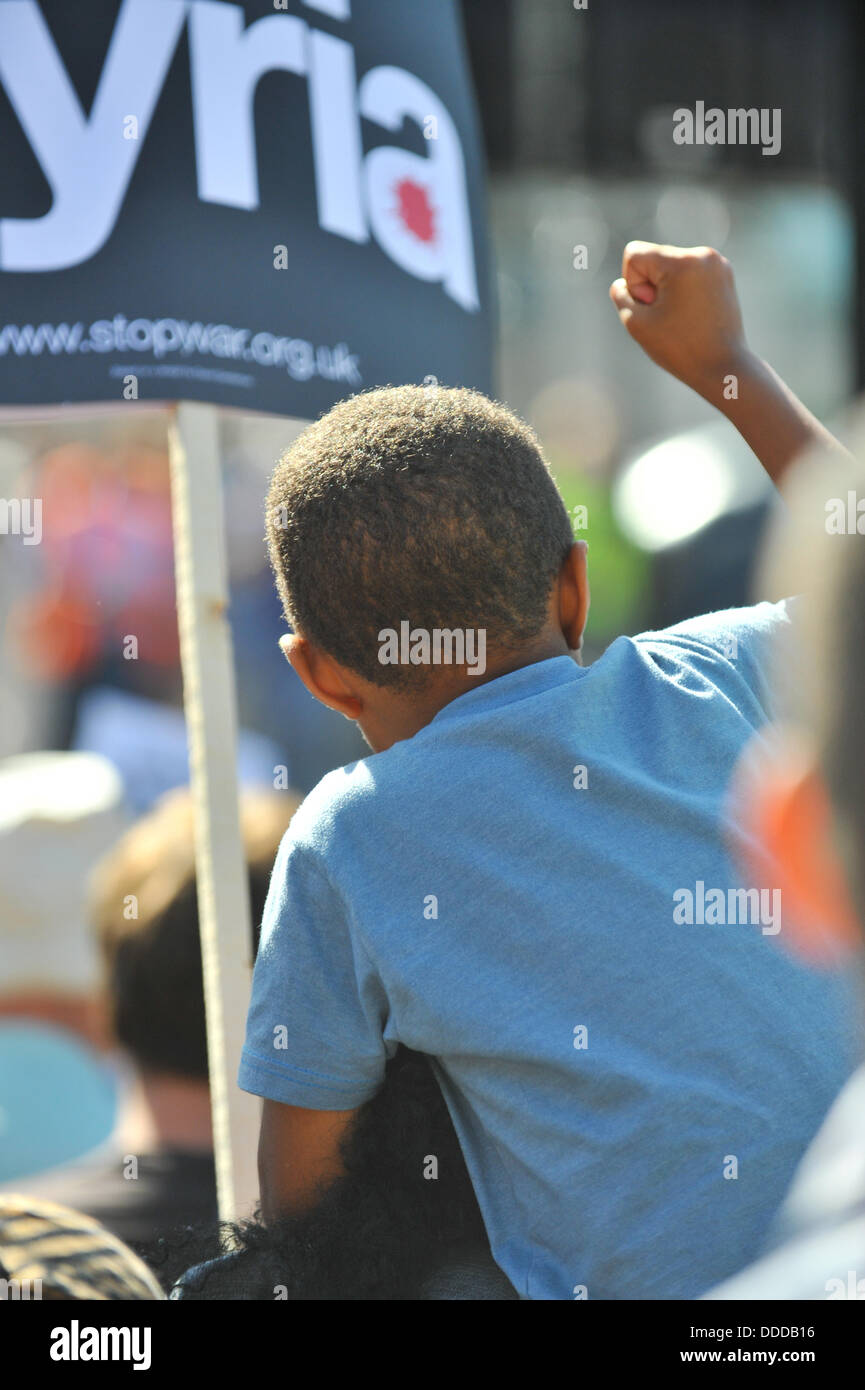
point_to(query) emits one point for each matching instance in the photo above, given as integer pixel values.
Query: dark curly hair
(378, 1233)
(414, 503)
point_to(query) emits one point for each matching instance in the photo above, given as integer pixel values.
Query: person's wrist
(722, 382)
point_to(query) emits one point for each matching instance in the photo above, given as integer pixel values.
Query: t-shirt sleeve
(314, 1032)
(741, 646)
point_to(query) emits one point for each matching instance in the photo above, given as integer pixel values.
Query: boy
(499, 885)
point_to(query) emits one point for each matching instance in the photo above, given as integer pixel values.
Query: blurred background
(577, 111)
(576, 108)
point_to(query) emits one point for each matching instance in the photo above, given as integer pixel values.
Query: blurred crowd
(104, 1102)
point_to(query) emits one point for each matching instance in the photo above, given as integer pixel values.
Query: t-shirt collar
(515, 685)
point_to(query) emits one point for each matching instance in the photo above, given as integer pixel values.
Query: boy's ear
(323, 677)
(573, 595)
(786, 814)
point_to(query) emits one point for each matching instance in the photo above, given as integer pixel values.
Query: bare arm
(298, 1155)
(773, 421)
(680, 305)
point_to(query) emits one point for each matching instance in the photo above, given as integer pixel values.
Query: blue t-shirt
(632, 1079)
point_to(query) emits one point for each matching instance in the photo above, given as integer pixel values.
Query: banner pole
(209, 703)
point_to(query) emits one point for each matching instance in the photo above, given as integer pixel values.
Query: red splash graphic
(415, 210)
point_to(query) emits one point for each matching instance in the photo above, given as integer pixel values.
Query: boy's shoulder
(722, 632)
(337, 795)
(737, 647)
(345, 803)
(732, 652)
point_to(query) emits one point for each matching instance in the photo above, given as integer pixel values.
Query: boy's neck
(408, 714)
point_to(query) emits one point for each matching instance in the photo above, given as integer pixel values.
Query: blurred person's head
(145, 913)
(803, 786)
(412, 511)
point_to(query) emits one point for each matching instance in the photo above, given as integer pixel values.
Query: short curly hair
(421, 503)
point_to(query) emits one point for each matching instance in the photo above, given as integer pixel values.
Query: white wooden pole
(209, 702)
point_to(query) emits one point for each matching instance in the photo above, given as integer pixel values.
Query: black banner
(266, 204)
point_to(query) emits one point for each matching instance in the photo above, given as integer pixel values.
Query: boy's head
(420, 547)
(804, 787)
